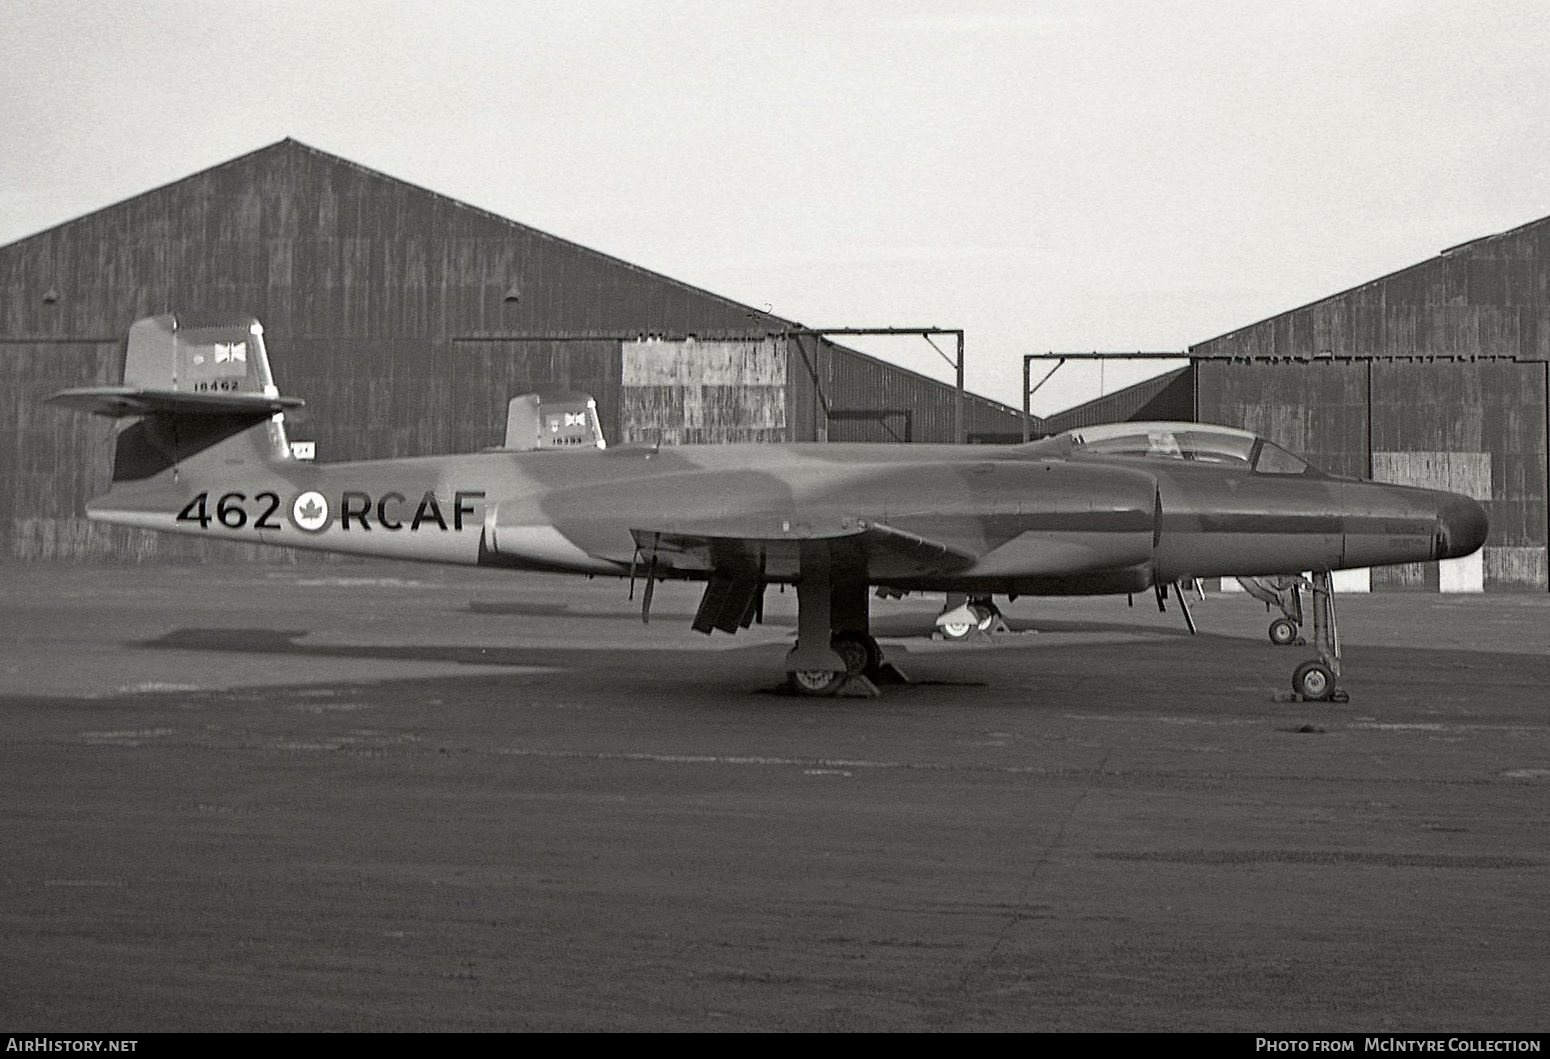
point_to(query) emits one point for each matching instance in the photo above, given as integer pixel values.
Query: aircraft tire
(985, 614)
(1282, 632)
(861, 653)
(816, 682)
(1314, 680)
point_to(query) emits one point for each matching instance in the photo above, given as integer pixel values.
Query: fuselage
(1036, 520)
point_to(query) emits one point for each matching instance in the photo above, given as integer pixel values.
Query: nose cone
(1461, 527)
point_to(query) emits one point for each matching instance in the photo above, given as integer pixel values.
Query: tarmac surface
(383, 797)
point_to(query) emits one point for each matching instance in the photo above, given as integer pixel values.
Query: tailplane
(197, 384)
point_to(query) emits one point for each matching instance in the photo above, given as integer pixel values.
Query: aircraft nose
(1461, 527)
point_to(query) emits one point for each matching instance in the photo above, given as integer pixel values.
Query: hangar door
(51, 460)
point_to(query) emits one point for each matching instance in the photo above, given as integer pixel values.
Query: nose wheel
(1282, 632)
(1285, 594)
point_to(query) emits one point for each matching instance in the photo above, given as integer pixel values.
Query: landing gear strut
(835, 653)
(1319, 679)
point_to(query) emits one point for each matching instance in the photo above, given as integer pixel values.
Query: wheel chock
(857, 687)
(1338, 696)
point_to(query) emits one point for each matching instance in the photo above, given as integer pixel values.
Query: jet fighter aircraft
(1116, 509)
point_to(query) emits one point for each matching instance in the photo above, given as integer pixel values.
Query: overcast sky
(1045, 175)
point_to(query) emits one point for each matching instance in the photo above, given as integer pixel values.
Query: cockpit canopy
(1198, 442)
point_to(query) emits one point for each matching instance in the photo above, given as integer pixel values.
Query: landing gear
(835, 653)
(1318, 680)
(1313, 680)
(973, 616)
(1284, 593)
(1282, 632)
(862, 654)
(816, 682)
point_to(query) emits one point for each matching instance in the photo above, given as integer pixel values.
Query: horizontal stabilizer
(119, 401)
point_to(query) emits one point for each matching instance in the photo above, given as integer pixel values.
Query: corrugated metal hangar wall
(1437, 375)
(406, 320)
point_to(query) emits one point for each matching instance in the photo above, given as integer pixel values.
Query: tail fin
(553, 419)
(196, 382)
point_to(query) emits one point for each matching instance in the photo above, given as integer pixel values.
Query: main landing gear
(835, 653)
(969, 617)
(864, 669)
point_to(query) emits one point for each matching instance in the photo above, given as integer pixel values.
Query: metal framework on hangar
(955, 361)
(1323, 356)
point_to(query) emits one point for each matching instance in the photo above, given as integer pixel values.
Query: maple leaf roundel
(309, 512)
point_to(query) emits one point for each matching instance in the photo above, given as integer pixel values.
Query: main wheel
(861, 653)
(1283, 632)
(985, 614)
(1314, 680)
(957, 630)
(816, 681)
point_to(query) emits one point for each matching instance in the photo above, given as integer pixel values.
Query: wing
(867, 549)
(736, 555)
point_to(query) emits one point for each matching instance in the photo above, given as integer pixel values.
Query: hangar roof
(978, 408)
(1482, 299)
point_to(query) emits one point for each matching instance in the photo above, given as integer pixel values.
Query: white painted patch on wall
(1465, 574)
(713, 391)
(1358, 580)
(1458, 472)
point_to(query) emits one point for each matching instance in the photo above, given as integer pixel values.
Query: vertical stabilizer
(553, 419)
(197, 390)
(198, 354)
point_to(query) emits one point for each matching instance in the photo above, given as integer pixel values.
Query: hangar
(1436, 375)
(407, 320)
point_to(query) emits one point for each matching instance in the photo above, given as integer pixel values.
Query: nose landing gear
(1318, 680)
(1285, 594)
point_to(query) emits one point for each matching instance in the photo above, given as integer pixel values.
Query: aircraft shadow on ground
(266, 641)
(629, 611)
(287, 642)
(1158, 649)
(1082, 668)
(890, 625)
(573, 660)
